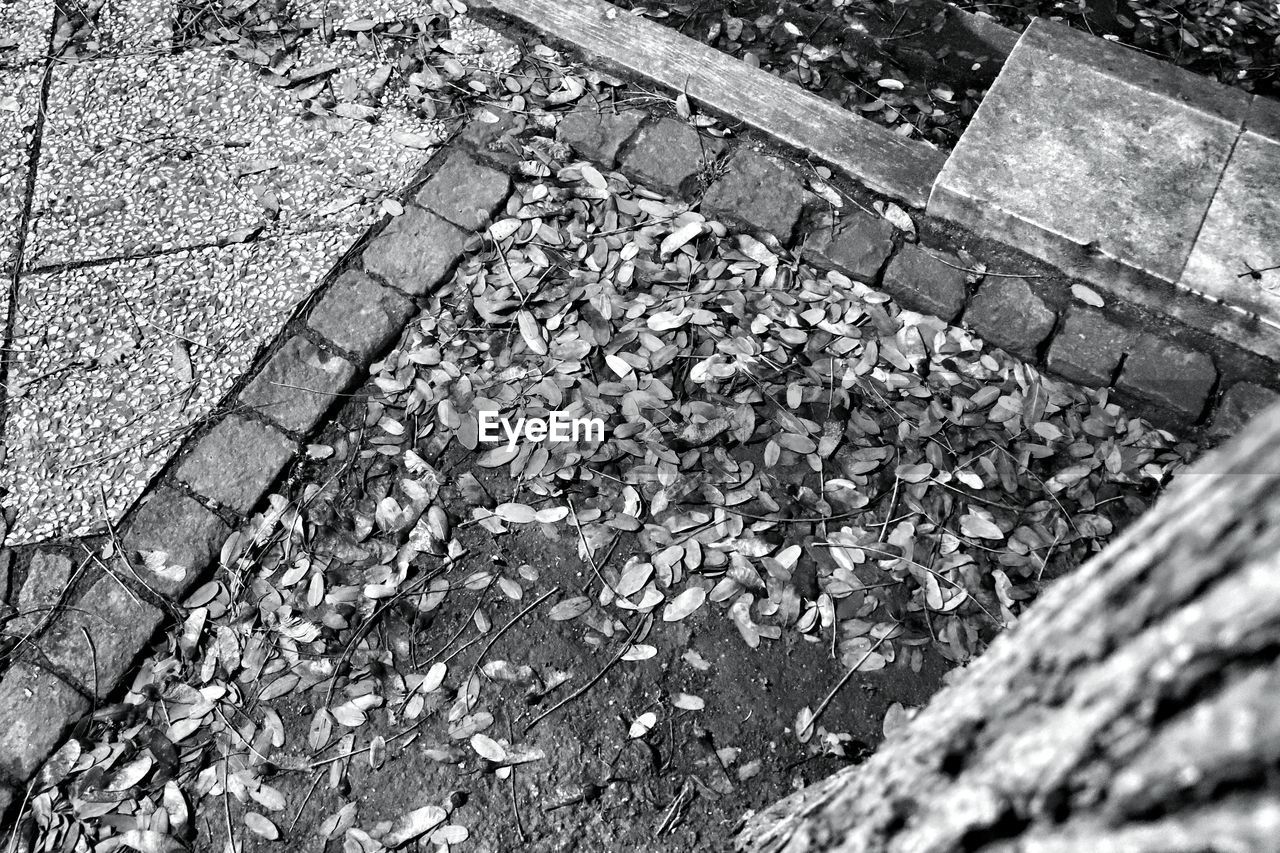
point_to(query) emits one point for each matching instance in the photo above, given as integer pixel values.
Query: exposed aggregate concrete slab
(168, 152)
(19, 102)
(116, 362)
(24, 31)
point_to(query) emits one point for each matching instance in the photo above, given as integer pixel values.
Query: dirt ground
(683, 786)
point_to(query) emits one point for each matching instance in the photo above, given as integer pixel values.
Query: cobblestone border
(220, 475)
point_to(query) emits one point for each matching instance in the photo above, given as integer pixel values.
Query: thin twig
(514, 620)
(635, 632)
(844, 679)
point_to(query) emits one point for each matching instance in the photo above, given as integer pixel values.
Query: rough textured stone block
(235, 462)
(597, 132)
(120, 626)
(762, 191)
(36, 709)
(1088, 348)
(464, 192)
(298, 384)
(668, 153)
(1092, 156)
(1237, 256)
(360, 316)
(47, 578)
(184, 531)
(1010, 315)
(1168, 374)
(857, 246)
(1242, 403)
(923, 283)
(415, 252)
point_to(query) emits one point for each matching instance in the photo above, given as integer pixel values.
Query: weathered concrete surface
(1093, 157)
(1237, 256)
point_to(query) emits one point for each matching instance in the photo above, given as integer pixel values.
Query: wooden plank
(880, 159)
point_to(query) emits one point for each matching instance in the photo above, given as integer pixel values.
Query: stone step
(1128, 172)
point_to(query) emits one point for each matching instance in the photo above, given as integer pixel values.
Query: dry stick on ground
(1132, 708)
(514, 620)
(844, 679)
(635, 632)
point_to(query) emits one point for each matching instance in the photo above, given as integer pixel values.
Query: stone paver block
(359, 315)
(922, 282)
(235, 462)
(178, 527)
(36, 709)
(765, 192)
(1008, 313)
(1236, 258)
(1088, 348)
(47, 579)
(596, 132)
(857, 246)
(1092, 157)
(1168, 374)
(667, 154)
(1242, 403)
(464, 192)
(298, 384)
(120, 625)
(415, 252)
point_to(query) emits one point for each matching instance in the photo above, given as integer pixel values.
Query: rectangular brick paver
(1169, 374)
(762, 191)
(923, 283)
(174, 524)
(1009, 314)
(235, 462)
(359, 315)
(119, 624)
(298, 384)
(597, 132)
(415, 252)
(858, 245)
(668, 155)
(464, 192)
(36, 708)
(1088, 348)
